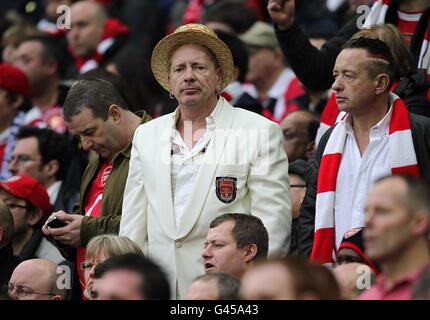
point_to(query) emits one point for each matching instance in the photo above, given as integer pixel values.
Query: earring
(171, 96)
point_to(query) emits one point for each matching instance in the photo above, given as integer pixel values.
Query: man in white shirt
(377, 137)
(205, 159)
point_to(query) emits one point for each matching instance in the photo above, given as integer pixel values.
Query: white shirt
(186, 163)
(53, 191)
(357, 174)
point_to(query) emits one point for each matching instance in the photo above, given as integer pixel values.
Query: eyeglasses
(21, 158)
(22, 292)
(87, 265)
(12, 206)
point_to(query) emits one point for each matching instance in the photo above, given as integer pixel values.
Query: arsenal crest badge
(226, 189)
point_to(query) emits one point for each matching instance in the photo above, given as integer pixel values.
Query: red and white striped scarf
(377, 15)
(403, 161)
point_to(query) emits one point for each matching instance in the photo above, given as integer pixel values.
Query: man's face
(22, 220)
(220, 253)
(294, 128)
(30, 283)
(96, 134)
(118, 285)
(353, 88)
(297, 192)
(267, 282)
(29, 59)
(388, 224)
(193, 77)
(86, 29)
(26, 160)
(260, 64)
(203, 290)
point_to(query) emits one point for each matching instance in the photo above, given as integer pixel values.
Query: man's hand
(282, 12)
(69, 235)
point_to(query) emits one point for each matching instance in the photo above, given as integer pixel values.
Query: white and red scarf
(113, 28)
(403, 161)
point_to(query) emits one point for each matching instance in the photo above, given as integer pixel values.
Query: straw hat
(191, 34)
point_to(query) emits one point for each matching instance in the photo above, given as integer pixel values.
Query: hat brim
(160, 60)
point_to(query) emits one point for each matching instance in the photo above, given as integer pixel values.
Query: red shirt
(93, 204)
(401, 290)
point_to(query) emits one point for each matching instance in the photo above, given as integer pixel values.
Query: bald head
(88, 21)
(38, 278)
(299, 130)
(6, 225)
(351, 278)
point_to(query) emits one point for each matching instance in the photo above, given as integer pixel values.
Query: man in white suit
(205, 159)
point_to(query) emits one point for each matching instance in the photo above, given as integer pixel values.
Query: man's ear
(382, 81)
(17, 103)
(35, 217)
(420, 223)
(115, 113)
(51, 168)
(250, 252)
(218, 77)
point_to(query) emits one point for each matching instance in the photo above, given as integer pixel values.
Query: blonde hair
(403, 60)
(111, 245)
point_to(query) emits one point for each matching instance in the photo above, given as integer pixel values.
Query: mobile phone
(56, 223)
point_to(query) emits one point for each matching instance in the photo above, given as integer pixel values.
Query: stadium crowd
(214, 149)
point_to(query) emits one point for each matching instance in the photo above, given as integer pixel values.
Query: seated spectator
(14, 90)
(36, 279)
(234, 241)
(8, 261)
(299, 129)
(12, 38)
(99, 249)
(292, 278)
(29, 205)
(349, 276)
(351, 250)
(296, 171)
(44, 155)
(267, 75)
(214, 286)
(397, 226)
(234, 93)
(129, 277)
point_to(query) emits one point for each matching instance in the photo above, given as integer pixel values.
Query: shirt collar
(211, 120)
(378, 130)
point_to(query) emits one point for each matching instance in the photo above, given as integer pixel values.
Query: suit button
(178, 245)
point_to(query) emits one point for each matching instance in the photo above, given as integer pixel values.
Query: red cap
(13, 79)
(30, 189)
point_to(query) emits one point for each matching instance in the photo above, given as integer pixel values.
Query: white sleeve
(135, 205)
(269, 186)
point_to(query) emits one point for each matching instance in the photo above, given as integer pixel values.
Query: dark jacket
(314, 67)
(110, 215)
(8, 263)
(420, 127)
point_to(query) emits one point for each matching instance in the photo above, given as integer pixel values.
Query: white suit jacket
(245, 158)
